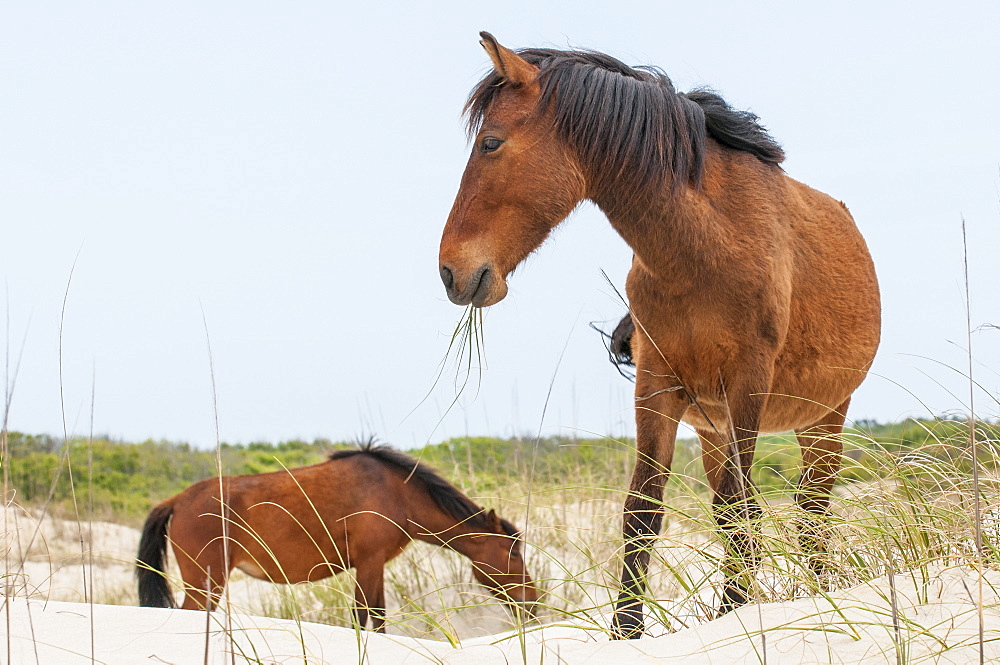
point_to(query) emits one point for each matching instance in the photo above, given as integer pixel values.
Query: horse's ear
(515, 69)
(494, 521)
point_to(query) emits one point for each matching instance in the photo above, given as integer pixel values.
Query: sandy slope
(938, 624)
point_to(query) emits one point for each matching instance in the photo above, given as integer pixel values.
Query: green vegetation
(485, 465)
(125, 479)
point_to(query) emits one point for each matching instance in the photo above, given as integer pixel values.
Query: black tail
(152, 559)
(619, 345)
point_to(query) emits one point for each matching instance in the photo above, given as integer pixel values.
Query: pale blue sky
(287, 169)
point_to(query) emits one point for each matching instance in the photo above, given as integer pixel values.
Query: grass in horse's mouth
(467, 344)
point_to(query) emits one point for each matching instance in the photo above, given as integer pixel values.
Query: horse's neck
(682, 236)
(432, 525)
(668, 234)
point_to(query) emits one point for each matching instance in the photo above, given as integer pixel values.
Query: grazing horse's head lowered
(498, 563)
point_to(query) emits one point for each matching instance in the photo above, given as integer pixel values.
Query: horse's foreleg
(728, 457)
(369, 596)
(822, 447)
(657, 417)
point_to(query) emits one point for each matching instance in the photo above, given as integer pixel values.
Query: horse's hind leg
(204, 577)
(822, 446)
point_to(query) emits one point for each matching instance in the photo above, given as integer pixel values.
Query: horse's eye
(490, 144)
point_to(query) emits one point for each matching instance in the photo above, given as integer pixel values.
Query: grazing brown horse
(754, 297)
(357, 510)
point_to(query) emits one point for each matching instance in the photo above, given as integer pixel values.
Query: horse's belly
(800, 396)
(289, 564)
(253, 570)
(816, 375)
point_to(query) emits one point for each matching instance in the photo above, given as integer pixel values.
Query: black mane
(447, 497)
(622, 119)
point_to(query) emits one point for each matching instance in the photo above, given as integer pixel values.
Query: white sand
(937, 624)
(937, 616)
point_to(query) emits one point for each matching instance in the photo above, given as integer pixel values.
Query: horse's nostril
(464, 289)
(447, 277)
(481, 280)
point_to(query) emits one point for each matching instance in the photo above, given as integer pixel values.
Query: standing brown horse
(754, 297)
(357, 510)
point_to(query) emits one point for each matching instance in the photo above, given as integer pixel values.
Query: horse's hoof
(724, 609)
(732, 598)
(626, 632)
(627, 625)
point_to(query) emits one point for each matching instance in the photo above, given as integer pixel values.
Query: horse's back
(290, 526)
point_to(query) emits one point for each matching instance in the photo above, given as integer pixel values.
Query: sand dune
(937, 624)
(936, 618)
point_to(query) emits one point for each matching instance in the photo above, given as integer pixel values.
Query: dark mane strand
(622, 119)
(447, 497)
(737, 129)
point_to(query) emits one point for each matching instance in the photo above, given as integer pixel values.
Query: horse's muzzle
(477, 290)
(529, 608)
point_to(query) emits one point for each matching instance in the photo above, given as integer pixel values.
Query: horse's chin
(526, 609)
(494, 295)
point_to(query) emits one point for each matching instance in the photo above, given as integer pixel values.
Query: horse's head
(498, 564)
(520, 182)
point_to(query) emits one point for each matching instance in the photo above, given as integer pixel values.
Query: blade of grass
(976, 503)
